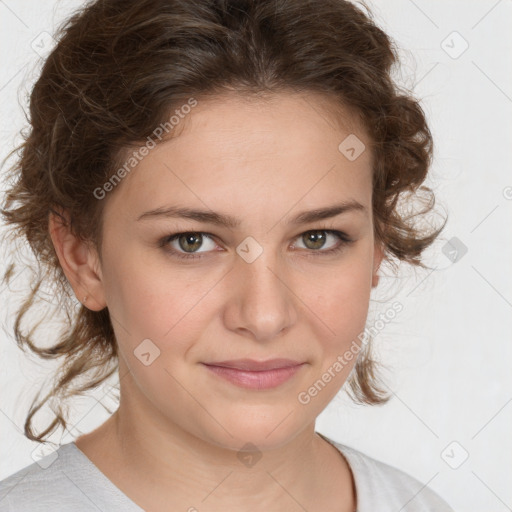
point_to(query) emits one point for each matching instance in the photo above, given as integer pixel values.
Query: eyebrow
(228, 221)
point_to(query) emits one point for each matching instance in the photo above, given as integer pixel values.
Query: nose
(261, 302)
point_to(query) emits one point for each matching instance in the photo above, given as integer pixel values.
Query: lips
(255, 375)
(252, 365)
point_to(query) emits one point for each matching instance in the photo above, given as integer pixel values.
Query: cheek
(345, 294)
(168, 309)
(343, 305)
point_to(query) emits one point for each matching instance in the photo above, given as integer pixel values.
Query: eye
(185, 245)
(316, 241)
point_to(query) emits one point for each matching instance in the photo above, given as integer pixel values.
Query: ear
(378, 256)
(79, 262)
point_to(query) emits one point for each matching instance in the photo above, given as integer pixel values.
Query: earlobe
(79, 262)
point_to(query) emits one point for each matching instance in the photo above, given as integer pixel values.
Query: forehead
(281, 119)
(284, 147)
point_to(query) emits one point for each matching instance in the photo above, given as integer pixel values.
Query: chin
(266, 431)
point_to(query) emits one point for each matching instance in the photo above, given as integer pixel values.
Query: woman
(217, 183)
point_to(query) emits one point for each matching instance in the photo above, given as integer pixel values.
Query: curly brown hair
(119, 68)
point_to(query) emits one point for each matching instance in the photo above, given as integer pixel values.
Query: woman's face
(259, 288)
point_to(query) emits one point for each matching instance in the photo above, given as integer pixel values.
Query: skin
(173, 442)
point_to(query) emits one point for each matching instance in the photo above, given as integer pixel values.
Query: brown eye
(316, 242)
(314, 239)
(190, 242)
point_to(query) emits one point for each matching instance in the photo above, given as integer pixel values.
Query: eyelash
(343, 237)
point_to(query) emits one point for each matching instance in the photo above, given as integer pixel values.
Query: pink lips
(251, 374)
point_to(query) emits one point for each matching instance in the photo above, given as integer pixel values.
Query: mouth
(251, 374)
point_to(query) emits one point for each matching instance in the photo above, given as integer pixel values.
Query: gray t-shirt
(68, 480)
